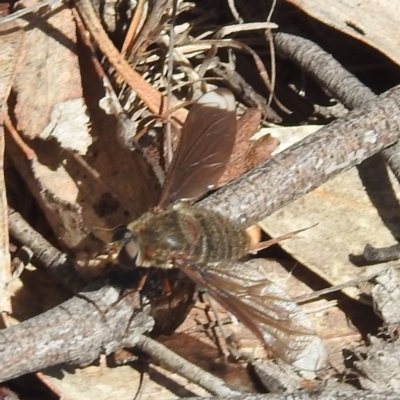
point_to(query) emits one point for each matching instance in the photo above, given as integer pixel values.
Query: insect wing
(206, 143)
(265, 308)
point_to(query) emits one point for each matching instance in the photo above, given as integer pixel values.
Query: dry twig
(174, 363)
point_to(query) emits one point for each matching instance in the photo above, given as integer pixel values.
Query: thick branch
(301, 168)
(75, 332)
(311, 395)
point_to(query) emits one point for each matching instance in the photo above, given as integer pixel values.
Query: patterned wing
(265, 308)
(206, 143)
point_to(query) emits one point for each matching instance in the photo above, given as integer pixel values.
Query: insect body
(189, 234)
(207, 247)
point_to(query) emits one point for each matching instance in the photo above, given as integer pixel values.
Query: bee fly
(207, 246)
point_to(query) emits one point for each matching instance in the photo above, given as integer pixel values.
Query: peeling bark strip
(337, 147)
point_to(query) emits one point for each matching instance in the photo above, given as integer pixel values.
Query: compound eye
(128, 256)
(121, 233)
(131, 249)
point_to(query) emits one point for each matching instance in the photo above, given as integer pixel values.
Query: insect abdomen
(219, 239)
(183, 233)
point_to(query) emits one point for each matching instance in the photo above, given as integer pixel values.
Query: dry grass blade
(205, 44)
(52, 4)
(150, 96)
